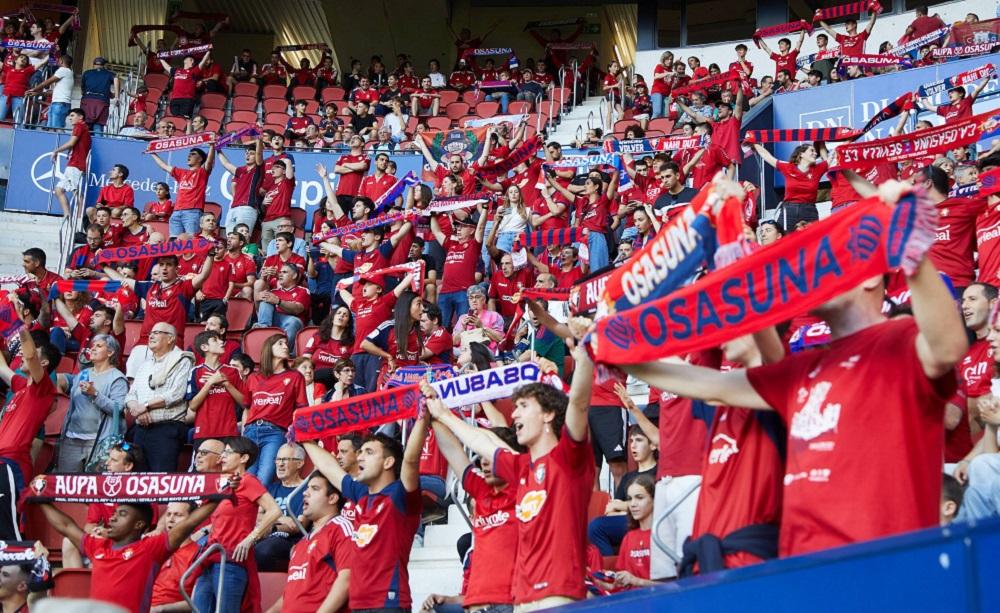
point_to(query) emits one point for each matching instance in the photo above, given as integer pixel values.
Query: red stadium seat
(152, 106)
(505, 406)
(661, 123)
(244, 103)
(162, 227)
(40, 529)
(277, 119)
(438, 123)
(275, 105)
(247, 117)
(518, 107)
(133, 327)
(277, 128)
(303, 92)
(624, 124)
(312, 108)
(215, 115)
(253, 341)
(156, 80)
(239, 314)
(455, 110)
(71, 583)
(214, 207)
(212, 100)
(447, 96)
(213, 125)
(67, 365)
(335, 94)
(411, 125)
(191, 331)
(300, 341)
(299, 221)
(179, 122)
(246, 89)
(487, 109)
(598, 502)
(472, 97)
(275, 91)
(272, 585)
(54, 421)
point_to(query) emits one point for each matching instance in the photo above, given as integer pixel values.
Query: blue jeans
(982, 497)
(185, 221)
(241, 214)
(366, 367)
(606, 533)
(58, 338)
(234, 583)
(57, 115)
(505, 241)
(291, 324)
(269, 439)
(503, 98)
(14, 104)
(452, 303)
(657, 100)
(598, 246)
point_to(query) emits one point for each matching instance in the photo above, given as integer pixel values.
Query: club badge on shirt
(540, 474)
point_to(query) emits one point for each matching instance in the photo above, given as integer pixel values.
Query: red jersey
(368, 314)
(191, 186)
(369, 95)
(785, 62)
(78, 154)
(852, 45)
(432, 461)
(185, 83)
(297, 294)
(386, 522)
(124, 575)
(167, 303)
(350, 184)
(801, 187)
(988, 245)
(831, 419)
(441, 344)
(503, 289)
(633, 554)
(161, 208)
(567, 278)
(166, 588)
(459, 264)
(494, 530)
(216, 287)
(266, 178)
(661, 81)
(273, 399)
(712, 161)
(726, 134)
(682, 434)
(325, 354)
(314, 564)
(236, 517)
(123, 237)
(216, 417)
(242, 266)
(275, 261)
(551, 535)
(23, 417)
(281, 199)
(953, 251)
(373, 187)
(115, 196)
(243, 181)
(461, 79)
(958, 110)
(593, 215)
(974, 374)
(15, 80)
(741, 476)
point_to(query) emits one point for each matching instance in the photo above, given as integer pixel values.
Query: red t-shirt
(166, 588)
(325, 354)
(633, 554)
(235, 518)
(122, 236)
(660, 84)
(593, 215)
(114, 196)
(567, 278)
(216, 417)
(551, 534)
(15, 80)
(785, 62)
(243, 184)
(925, 24)
(350, 183)
(275, 398)
(712, 161)
(740, 478)
(833, 474)
(460, 264)
(852, 45)
(314, 564)
(23, 417)
(494, 529)
(801, 187)
(368, 314)
(988, 245)
(217, 285)
(298, 294)
(726, 134)
(974, 374)
(953, 251)
(503, 289)
(441, 344)
(242, 266)
(958, 110)
(266, 178)
(191, 186)
(275, 261)
(373, 187)
(162, 209)
(281, 202)
(78, 154)
(682, 435)
(185, 83)
(124, 576)
(164, 303)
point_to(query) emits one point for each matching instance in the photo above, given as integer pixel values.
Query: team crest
(128, 553)
(38, 485)
(531, 505)
(311, 547)
(221, 483)
(112, 486)
(540, 474)
(286, 381)
(364, 534)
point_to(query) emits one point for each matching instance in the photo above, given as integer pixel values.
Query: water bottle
(83, 377)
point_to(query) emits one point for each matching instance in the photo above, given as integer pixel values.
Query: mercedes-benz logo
(44, 181)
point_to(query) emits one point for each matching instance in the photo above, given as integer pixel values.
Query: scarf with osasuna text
(709, 82)
(133, 37)
(586, 162)
(512, 60)
(782, 28)
(585, 294)
(303, 47)
(14, 279)
(411, 375)
(963, 78)
(964, 50)
(825, 54)
(366, 224)
(518, 156)
(928, 142)
(910, 46)
(544, 238)
(452, 203)
(146, 251)
(91, 286)
(825, 135)
(653, 145)
(356, 413)
(33, 45)
(775, 283)
(150, 488)
(847, 10)
(184, 141)
(415, 268)
(226, 139)
(165, 55)
(683, 246)
(868, 59)
(395, 191)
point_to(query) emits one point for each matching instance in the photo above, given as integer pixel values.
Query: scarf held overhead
(783, 28)
(415, 268)
(518, 156)
(825, 135)
(396, 191)
(175, 143)
(128, 487)
(226, 139)
(963, 78)
(868, 59)
(964, 50)
(356, 413)
(200, 49)
(544, 238)
(847, 10)
(709, 82)
(91, 286)
(360, 226)
(903, 103)
(784, 279)
(653, 145)
(146, 251)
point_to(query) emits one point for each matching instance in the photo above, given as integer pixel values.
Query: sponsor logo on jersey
(814, 419)
(531, 505)
(364, 534)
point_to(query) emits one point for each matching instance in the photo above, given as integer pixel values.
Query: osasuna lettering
(669, 250)
(140, 252)
(134, 485)
(354, 412)
(479, 381)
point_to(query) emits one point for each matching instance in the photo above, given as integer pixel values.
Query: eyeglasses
(204, 452)
(152, 332)
(283, 460)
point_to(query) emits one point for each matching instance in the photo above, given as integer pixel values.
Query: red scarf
(179, 142)
(708, 82)
(847, 10)
(128, 487)
(517, 157)
(356, 413)
(803, 134)
(145, 252)
(784, 28)
(774, 284)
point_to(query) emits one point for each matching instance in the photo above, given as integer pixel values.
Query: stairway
(435, 567)
(21, 231)
(566, 132)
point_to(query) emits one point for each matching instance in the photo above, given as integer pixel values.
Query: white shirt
(62, 91)
(394, 123)
(43, 56)
(437, 79)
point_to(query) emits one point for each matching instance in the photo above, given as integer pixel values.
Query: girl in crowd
(330, 344)
(162, 207)
(633, 557)
(802, 173)
(398, 341)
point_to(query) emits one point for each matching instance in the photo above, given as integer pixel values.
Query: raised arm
(765, 155)
(325, 463)
(409, 473)
(180, 533)
(229, 166)
(472, 437)
(871, 22)
(828, 29)
(481, 226)
(63, 524)
(427, 154)
(439, 235)
(802, 37)
(689, 111)
(167, 168)
(765, 48)
(698, 383)
(206, 270)
(579, 394)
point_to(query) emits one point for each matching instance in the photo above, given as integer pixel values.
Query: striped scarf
(847, 10)
(800, 135)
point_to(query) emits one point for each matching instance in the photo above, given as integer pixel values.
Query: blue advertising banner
(852, 103)
(33, 173)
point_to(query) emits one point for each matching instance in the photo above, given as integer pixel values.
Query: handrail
(459, 504)
(293, 494)
(656, 528)
(197, 563)
(579, 133)
(562, 76)
(590, 120)
(538, 113)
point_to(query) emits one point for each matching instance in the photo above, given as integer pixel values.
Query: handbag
(98, 458)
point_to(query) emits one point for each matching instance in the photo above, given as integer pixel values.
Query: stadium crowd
(765, 446)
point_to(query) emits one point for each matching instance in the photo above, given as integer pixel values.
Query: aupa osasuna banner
(128, 487)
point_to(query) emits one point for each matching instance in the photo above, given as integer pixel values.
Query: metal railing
(576, 78)
(656, 528)
(219, 592)
(590, 120)
(298, 489)
(455, 498)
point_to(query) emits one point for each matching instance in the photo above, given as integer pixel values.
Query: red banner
(356, 413)
(146, 252)
(151, 488)
(976, 33)
(180, 142)
(965, 50)
(585, 295)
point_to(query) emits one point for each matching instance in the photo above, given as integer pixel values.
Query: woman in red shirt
(612, 89)
(330, 344)
(802, 174)
(592, 211)
(15, 84)
(161, 209)
(662, 83)
(633, 555)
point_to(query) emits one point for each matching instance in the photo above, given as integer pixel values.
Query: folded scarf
(928, 142)
(826, 135)
(709, 82)
(847, 10)
(226, 139)
(367, 224)
(867, 59)
(903, 103)
(964, 50)
(544, 238)
(773, 284)
(526, 151)
(783, 28)
(395, 191)
(83, 285)
(963, 78)
(303, 47)
(179, 142)
(137, 30)
(146, 252)
(653, 145)
(150, 488)
(415, 268)
(826, 54)
(912, 45)
(200, 49)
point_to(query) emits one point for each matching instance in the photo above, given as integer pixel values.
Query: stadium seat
(624, 124)
(67, 365)
(253, 341)
(213, 114)
(246, 89)
(272, 585)
(661, 123)
(40, 529)
(152, 106)
(455, 110)
(190, 331)
(411, 125)
(438, 123)
(71, 583)
(163, 227)
(212, 100)
(518, 107)
(179, 122)
(278, 128)
(247, 116)
(275, 105)
(213, 125)
(447, 96)
(303, 92)
(244, 103)
(505, 406)
(487, 109)
(312, 108)
(463, 121)
(133, 327)
(155, 80)
(335, 94)
(598, 502)
(239, 314)
(300, 341)
(214, 207)
(54, 421)
(299, 221)
(274, 91)
(280, 119)
(472, 97)
(43, 459)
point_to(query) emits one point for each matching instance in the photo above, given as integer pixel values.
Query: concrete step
(21, 231)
